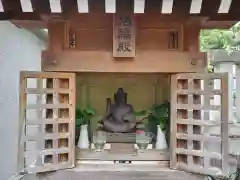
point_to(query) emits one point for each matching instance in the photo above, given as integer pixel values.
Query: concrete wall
(19, 50)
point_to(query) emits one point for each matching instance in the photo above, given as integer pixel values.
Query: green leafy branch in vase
(84, 115)
(157, 114)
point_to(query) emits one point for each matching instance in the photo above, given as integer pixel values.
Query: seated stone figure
(120, 116)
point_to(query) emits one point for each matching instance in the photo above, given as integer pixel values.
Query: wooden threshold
(147, 155)
(120, 167)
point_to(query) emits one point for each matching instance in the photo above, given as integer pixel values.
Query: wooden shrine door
(199, 140)
(47, 121)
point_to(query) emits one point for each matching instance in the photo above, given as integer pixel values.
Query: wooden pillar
(57, 41)
(224, 67)
(191, 43)
(58, 35)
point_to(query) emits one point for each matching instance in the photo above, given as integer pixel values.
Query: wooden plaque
(124, 35)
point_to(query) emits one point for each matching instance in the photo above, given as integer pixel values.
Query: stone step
(120, 172)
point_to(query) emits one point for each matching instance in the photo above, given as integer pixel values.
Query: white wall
(19, 50)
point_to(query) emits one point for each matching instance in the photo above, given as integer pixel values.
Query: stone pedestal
(121, 137)
(125, 148)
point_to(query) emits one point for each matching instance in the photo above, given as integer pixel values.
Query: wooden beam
(210, 7)
(234, 8)
(217, 24)
(139, 6)
(30, 24)
(225, 17)
(154, 6)
(12, 6)
(26, 5)
(96, 6)
(233, 15)
(19, 16)
(110, 6)
(69, 7)
(41, 7)
(88, 61)
(181, 7)
(216, 10)
(5, 16)
(124, 6)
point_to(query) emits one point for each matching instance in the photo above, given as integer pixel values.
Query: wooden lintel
(18, 16)
(218, 24)
(102, 61)
(225, 17)
(54, 17)
(30, 24)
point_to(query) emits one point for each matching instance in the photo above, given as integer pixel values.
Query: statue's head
(120, 96)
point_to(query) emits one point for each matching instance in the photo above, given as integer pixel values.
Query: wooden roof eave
(22, 10)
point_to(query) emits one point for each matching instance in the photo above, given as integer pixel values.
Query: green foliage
(232, 176)
(84, 115)
(228, 39)
(158, 114)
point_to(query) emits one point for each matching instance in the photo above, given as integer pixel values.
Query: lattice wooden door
(199, 138)
(47, 121)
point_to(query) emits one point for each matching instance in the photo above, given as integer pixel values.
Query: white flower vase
(83, 142)
(161, 142)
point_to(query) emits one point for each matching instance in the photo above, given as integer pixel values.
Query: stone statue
(120, 116)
